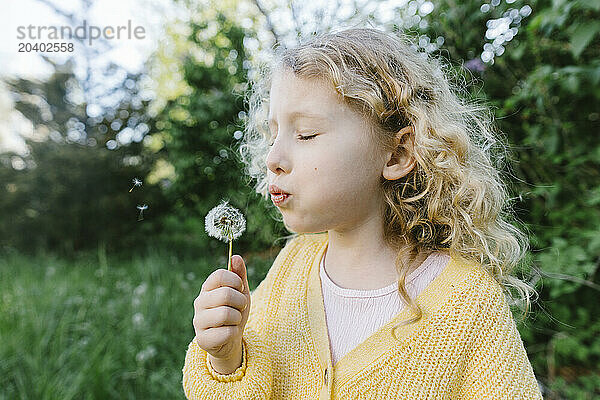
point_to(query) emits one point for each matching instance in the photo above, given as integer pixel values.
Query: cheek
(340, 167)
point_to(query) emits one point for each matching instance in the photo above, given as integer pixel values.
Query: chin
(302, 228)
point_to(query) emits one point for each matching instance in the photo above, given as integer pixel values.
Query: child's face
(333, 178)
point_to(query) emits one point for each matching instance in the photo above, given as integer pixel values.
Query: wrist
(229, 365)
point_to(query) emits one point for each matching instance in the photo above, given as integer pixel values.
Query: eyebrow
(299, 114)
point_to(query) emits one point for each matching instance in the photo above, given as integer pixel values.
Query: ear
(402, 161)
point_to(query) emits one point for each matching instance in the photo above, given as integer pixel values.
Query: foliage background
(86, 287)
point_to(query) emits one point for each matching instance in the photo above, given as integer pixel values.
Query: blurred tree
(70, 192)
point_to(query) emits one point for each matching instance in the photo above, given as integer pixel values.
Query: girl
(391, 286)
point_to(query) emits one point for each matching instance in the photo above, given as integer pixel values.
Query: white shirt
(353, 315)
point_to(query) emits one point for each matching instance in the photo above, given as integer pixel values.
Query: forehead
(295, 97)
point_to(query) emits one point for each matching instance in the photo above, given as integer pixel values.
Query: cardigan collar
(381, 342)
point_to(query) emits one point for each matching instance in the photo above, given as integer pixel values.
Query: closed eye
(306, 137)
(300, 137)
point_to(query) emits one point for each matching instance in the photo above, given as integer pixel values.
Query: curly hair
(454, 199)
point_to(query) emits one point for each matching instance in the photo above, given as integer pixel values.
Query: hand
(221, 312)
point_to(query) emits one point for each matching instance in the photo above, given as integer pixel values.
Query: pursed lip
(274, 189)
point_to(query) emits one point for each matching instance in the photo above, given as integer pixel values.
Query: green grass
(98, 328)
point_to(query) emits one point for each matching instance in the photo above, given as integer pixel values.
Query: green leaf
(517, 52)
(594, 75)
(582, 35)
(592, 4)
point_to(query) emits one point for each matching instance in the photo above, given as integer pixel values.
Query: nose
(277, 160)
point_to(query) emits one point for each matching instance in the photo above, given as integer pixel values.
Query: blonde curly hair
(454, 199)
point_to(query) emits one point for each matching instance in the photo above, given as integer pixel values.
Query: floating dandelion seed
(136, 182)
(225, 223)
(141, 208)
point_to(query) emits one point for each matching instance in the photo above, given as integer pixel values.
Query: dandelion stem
(229, 260)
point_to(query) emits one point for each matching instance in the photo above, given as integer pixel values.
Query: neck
(359, 258)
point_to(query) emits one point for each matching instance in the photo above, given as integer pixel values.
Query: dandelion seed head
(225, 222)
(142, 207)
(146, 354)
(141, 289)
(138, 319)
(137, 182)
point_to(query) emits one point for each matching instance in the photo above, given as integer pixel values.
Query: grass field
(98, 327)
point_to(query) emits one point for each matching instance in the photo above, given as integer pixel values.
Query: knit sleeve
(497, 365)
(253, 379)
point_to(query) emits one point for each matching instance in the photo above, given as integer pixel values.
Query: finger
(219, 316)
(221, 277)
(224, 296)
(216, 337)
(239, 267)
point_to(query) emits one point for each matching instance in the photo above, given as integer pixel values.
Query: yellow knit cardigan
(466, 346)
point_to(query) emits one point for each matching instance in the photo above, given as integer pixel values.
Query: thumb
(239, 267)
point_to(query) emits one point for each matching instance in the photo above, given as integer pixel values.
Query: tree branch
(269, 23)
(295, 18)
